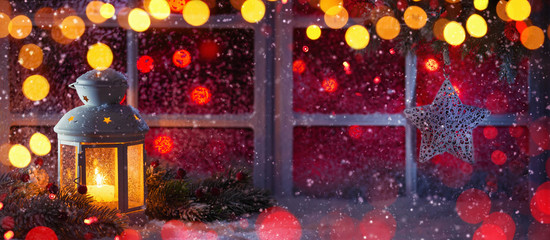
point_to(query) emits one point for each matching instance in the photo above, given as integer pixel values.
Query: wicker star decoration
(446, 125)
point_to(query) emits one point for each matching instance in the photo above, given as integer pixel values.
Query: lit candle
(101, 192)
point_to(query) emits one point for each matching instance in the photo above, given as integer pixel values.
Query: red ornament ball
(8, 223)
(41, 233)
(473, 206)
(82, 189)
(25, 177)
(145, 64)
(180, 174)
(52, 188)
(199, 193)
(155, 163)
(181, 58)
(201, 95)
(241, 176)
(39, 162)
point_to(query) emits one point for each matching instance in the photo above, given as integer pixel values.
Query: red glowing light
(51, 196)
(330, 85)
(347, 68)
(489, 232)
(130, 234)
(298, 66)
(504, 221)
(520, 26)
(145, 64)
(201, 95)
(123, 99)
(181, 58)
(473, 205)
(41, 233)
(90, 220)
(378, 224)
(355, 131)
(305, 48)
(457, 90)
(432, 65)
(8, 235)
(498, 157)
(376, 80)
(278, 224)
(1, 205)
(490, 132)
(172, 229)
(163, 144)
(392, 52)
(177, 5)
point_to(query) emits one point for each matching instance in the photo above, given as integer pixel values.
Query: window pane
(102, 175)
(202, 151)
(477, 83)
(45, 139)
(68, 164)
(61, 65)
(215, 74)
(350, 162)
(135, 176)
(373, 82)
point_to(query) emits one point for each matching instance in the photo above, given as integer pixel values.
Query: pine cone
(82, 189)
(8, 223)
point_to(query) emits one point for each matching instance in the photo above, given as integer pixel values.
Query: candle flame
(98, 177)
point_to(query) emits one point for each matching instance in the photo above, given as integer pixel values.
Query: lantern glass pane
(102, 175)
(67, 165)
(135, 176)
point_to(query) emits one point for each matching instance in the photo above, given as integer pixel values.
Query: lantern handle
(72, 85)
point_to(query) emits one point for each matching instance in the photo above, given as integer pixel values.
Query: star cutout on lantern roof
(107, 120)
(86, 98)
(446, 125)
(136, 117)
(71, 118)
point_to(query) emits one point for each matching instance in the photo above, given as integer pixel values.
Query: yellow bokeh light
(388, 27)
(36, 87)
(253, 10)
(4, 23)
(19, 156)
(313, 32)
(357, 37)
(518, 10)
(439, 26)
(415, 17)
(72, 27)
(327, 4)
(454, 33)
(139, 20)
(30, 56)
(107, 10)
(159, 9)
(476, 26)
(100, 56)
(336, 17)
(196, 12)
(481, 5)
(40, 144)
(20, 27)
(532, 37)
(93, 12)
(501, 10)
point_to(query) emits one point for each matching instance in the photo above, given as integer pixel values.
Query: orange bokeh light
(163, 144)
(432, 65)
(181, 58)
(298, 66)
(330, 85)
(201, 95)
(177, 5)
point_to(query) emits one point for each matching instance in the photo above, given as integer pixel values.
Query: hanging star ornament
(446, 125)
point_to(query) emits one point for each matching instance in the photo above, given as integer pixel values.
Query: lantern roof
(102, 118)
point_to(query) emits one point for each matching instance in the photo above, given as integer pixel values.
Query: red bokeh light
(305, 48)
(542, 198)
(337, 225)
(516, 131)
(181, 58)
(504, 222)
(498, 157)
(489, 232)
(490, 132)
(51, 196)
(329, 85)
(392, 52)
(163, 144)
(201, 95)
(378, 225)
(520, 26)
(432, 65)
(278, 224)
(41, 233)
(473, 206)
(130, 234)
(452, 171)
(172, 229)
(298, 66)
(208, 50)
(355, 131)
(376, 80)
(538, 231)
(145, 64)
